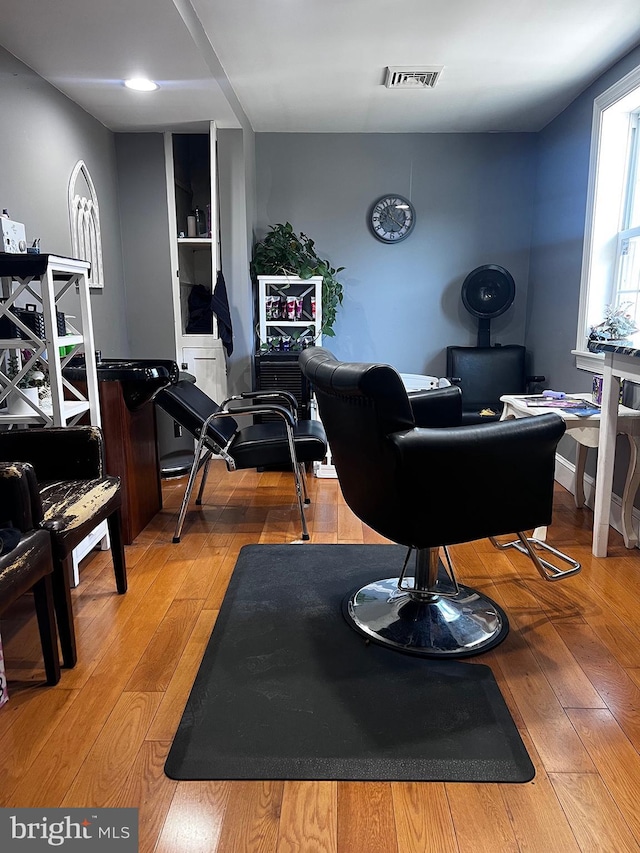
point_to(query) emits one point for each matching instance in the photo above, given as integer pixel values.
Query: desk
(588, 432)
(620, 362)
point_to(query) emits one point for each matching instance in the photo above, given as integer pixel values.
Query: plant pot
(19, 406)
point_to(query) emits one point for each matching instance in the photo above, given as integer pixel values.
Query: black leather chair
(283, 441)
(486, 373)
(71, 495)
(414, 475)
(28, 566)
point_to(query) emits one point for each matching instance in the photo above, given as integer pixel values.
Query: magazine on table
(575, 405)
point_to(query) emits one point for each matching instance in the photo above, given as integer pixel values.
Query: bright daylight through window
(611, 258)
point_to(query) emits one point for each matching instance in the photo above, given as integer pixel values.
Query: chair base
(438, 626)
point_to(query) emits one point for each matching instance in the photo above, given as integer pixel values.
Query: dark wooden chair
(71, 495)
(28, 565)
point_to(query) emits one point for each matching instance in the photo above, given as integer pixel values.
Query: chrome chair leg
(528, 544)
(203, 481)
(198, 460)
(298, 479)
(303, 478)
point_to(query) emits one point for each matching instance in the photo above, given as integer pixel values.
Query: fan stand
(487, 292)
(484, 332)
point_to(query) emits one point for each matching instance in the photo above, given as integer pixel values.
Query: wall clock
(392, 218)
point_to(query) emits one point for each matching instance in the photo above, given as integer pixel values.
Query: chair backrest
(429, 486)
(486, 373)
(189, 406)
(359, 405)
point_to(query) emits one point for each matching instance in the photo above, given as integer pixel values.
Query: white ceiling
(318, 65)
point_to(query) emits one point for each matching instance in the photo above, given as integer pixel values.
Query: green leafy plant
(284, 252)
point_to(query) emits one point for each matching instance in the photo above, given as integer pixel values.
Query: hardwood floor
(569, 670)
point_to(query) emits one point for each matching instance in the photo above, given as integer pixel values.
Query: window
(611, 258)
(84, 218)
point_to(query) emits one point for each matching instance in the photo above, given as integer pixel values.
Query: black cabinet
(280, 371)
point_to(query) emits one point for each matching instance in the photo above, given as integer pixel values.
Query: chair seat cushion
(70, 504)
(266, 444)
(29, 561)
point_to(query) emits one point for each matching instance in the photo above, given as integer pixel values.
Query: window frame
(605, 197)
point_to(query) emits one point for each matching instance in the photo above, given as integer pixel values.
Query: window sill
(591, 361)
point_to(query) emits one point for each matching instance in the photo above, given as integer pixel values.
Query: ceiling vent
(406, 77)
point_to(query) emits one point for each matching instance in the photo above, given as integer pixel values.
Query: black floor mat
(287, 690)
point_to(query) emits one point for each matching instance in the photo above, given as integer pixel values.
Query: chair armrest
(57, 453)
(272, 409)
(20, 503)
(287, 399)
(439, 407)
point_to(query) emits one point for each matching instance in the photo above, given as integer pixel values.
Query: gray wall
(44, 134)
(473, 197)
(145, 244)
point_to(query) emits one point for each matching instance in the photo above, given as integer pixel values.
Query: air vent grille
(404, 77)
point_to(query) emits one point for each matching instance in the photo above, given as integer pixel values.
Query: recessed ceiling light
(141, 84)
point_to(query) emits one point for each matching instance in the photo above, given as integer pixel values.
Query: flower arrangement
(617, 325)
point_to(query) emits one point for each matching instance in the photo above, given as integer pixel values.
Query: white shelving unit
(44, 280)
(309, 323)
(191, 166)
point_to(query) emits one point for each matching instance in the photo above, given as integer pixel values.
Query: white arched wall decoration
(84, 218)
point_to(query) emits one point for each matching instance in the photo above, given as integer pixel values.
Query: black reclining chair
(283, 441)
(408, 470)
(71, 495)
(28, 566)
(485, 374)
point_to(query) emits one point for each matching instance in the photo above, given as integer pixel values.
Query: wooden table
(587, 432)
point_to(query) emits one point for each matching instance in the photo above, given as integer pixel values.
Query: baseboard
(565, 475)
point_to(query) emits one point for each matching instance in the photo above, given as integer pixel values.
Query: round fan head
(488, 291)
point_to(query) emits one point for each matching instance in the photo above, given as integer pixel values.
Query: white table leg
(606, 458)
(578, 486)
(628, 495)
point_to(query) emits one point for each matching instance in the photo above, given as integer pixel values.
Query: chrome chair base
(446, 626)
(528, 545)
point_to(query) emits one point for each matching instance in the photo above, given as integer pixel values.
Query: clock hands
(393, 219)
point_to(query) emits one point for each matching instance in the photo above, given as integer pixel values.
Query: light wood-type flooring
(569, 671)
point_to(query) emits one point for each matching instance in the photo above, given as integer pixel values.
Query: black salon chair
(420, 479)
(71, 496)
(27, 565)
(485, 374)
(282, 441)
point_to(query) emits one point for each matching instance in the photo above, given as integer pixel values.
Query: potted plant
(617, 325)
(29, 384)
(284, 252)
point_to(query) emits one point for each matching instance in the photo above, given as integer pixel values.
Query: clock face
(392, 218)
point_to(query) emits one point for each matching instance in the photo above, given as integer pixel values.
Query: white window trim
(595, 255)
(84, 219)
